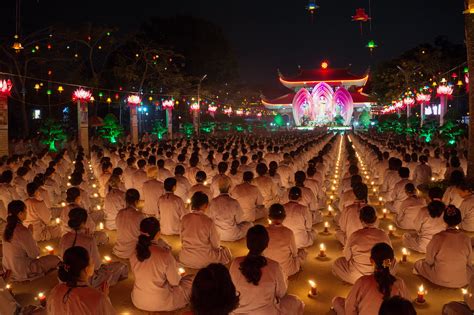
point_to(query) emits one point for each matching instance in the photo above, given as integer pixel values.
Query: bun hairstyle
(15, 207)
(149, 227)
(382, 255)
(257, 242)
(452, 216)
(276, 212)
(75, 260)
(213, 292)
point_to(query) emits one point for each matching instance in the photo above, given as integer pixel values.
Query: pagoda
(320, 95)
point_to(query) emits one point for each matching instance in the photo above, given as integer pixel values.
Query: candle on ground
(107, 259)
(326, 227)
(390, 230)
(181, 271)
(322, 250)
(421, 294)
(57, 220)
(50, 249)
(313, 288)
(101, 226)
(42, 298)
(330, 210)
(384, 211)
(404, 254)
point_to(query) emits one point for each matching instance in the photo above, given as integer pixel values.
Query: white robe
(38, 215)
(452, 197)
(138, 179)
(227, 214)
(422, 174)
(251, 201)
(202, 188)
(349, 222)
(182, 187)
(467, 213)
(152, 190)
(268, 188)
(428, 227)
(21, 256)
(113, 203)
(269, 296)
(298, 219)
(448, 259)
(82, 300)
(215, 184)
(170, 211)
(158, 286)
(282, 249)
(462, 308)
(201, 242)
(409, 211)
(356, 261)
(365, 298)
(8, 305)
(128, 229)
(398, 195)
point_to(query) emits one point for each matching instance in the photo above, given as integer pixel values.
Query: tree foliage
(111, 130)
(159, 129)
(52, 133)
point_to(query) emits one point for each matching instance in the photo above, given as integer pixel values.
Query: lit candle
(107, 259)
(334, 182)
(372, 183)
(50, 249)
(333, 188)
(313, 291)
(98, 207)
(432, 179)
(101, 225)
(8, 287)
(322, 250)
(330, 210)
(380, 199)
(42, 298)
(269, 221)
(63, 204)
(374, 189)
(404, 254)
(326, 227)
(205, 183)
(421, 294)
(390, 230)
(94, 185)
(331, 197)
(96, 195)
(464, 291)
(181, 271)
(57, 220)
(384, 211)
(68, 184)
(69, 177)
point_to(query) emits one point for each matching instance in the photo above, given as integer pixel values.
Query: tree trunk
(469, 24)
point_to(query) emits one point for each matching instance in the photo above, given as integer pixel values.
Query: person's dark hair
(300, 177)
(436, 208)
(273, 168)
(77, 217)
(396, 305)
(118, 171)
(76, 179)
(361, 191)
(201, 176)
(277, 212)
(72, 194)
(353, 170)
(261, 169)
(456, 178)
(410, 188)
(404, 172)
(435, 193)
(149, 227)
(355, 179)
(222, 167)
(169, 183)
(179, 170)
(31, 188)
(367, 215)
(132, 196)
(247, 176)
(294, 193)
(198, 200)
(75, 260)
(21, 171)
(452, 216)
(257, 242)
(15, 207)
(7, 177)
(213, 292)
(382, 255)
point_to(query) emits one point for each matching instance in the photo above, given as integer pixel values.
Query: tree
(364, 119)
(111, 130)
(51, 133)
(159, 129)
(469, 25)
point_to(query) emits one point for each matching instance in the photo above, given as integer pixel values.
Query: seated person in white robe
(128, 225)
(158, 285)
(430, 220)
(111, 272)
(114, 202)
(451, 195)
(170, 209)
(182, 183)
(316, 187)
(298, 219)
(73, 199)
(74, 295)
(398, 192)
(200, 241)
(213, 291)
(368, 293)
(250, 199)
(21, 254)
(348, 221)
(409, 209)
(39, 216)
(201, 185)
(348, 197)
(308, 198)
(466, 207)
(391, 177)
(261, 281)
(269, 189)
(282, 246)
(462, 308)
(422, 173)
(356, 260)
(152, 190)
(227, 214)
(222, 169)
(139, 177)
(448, 255)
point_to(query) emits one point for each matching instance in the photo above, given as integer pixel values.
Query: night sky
(267, 35)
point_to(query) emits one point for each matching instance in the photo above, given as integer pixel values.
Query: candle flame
(421, 289)
(390, 227)
(107, 258)
(63, 204)
(404, 251)
(464, 291)
(322, 246)
(49, 248)
(181, 271)
(312, 283)
(326, 224)
(58, 220)
(9, 286)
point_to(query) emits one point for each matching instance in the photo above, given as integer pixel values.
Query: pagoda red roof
(332, 76)
(287, 99)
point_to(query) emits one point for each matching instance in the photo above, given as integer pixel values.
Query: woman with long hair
(158, 284)
(20, 251)
(112, 272)
(260, 281)
(448, 255)
(74, 295)
(213, 292)
(370, 291)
